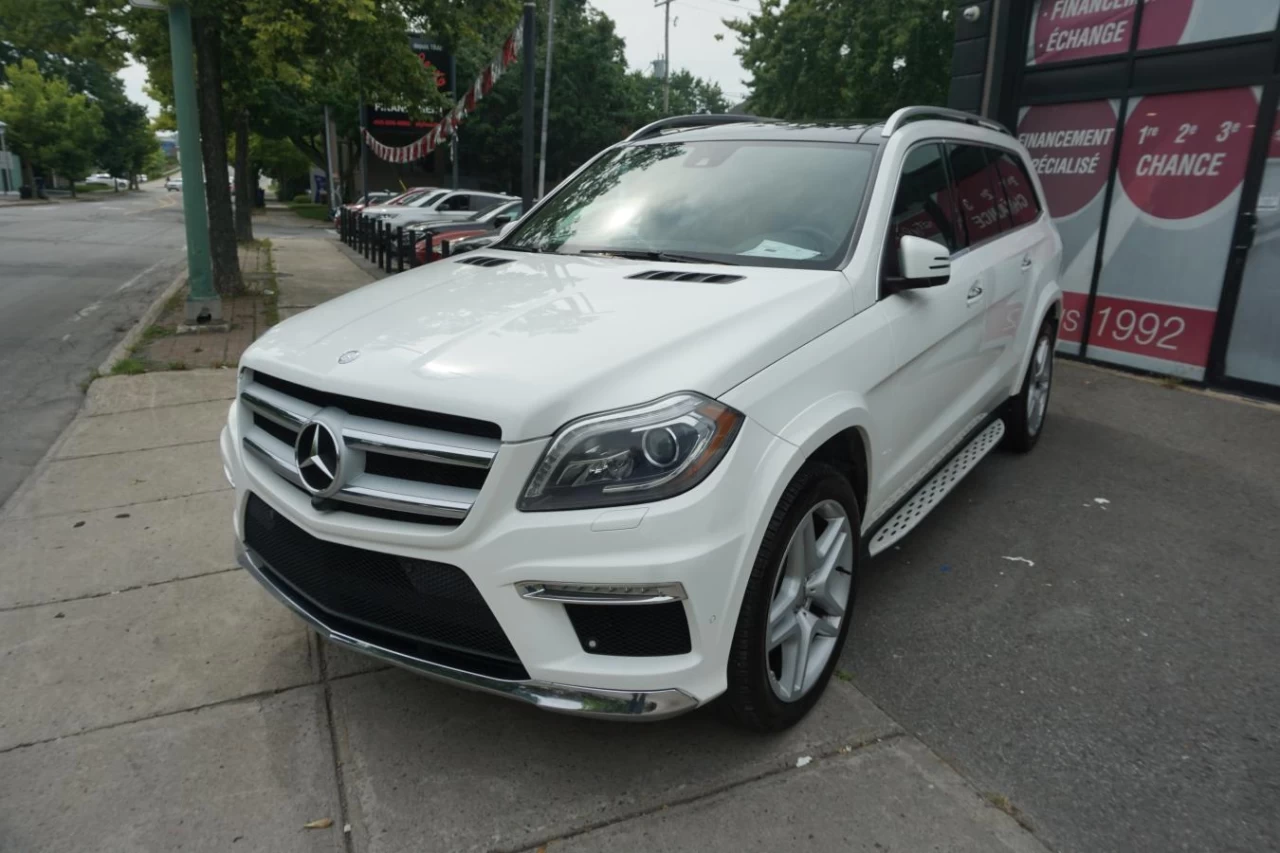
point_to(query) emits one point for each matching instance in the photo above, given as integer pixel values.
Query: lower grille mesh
(425, 609)
(641, 630)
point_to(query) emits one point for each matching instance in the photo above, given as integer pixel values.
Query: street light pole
(530, 45)
(666, 56)
(203, 304)
(546, 99)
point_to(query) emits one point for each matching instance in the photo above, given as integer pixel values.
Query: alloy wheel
(810, 600)
(1038, 389)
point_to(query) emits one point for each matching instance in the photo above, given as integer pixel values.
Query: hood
(543, 339)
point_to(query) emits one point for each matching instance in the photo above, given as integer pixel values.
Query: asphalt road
(1123, 692)
(74, 277)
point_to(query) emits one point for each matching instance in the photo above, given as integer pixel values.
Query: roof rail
(681, 122)
(909, 114)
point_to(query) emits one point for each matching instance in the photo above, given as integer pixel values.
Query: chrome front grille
(395, 461)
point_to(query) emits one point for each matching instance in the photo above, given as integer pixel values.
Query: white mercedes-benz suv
(630, 458)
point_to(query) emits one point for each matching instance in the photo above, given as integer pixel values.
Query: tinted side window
(922, 206)
(1024, 207)
(978, 192)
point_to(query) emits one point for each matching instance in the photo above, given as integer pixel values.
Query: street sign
(436, 62)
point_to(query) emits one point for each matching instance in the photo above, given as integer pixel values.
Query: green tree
(816, 59)
(49, 126)
(594, 101)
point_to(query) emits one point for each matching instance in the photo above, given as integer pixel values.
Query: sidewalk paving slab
(121, 480)
(58, 557)
(238, 776)
(80, 665)
(142, 429)
(891, 796)
(311, 270)
(112, 394)
(433, 767)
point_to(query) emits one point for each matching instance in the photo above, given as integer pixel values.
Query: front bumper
(704, 541)
(564, 698)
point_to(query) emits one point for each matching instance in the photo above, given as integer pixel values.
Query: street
(74, 276)
(1090, 630)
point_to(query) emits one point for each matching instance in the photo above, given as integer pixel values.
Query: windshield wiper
(655, 255)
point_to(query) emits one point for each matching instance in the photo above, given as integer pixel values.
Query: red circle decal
(1070, 146)
(1184, 154)
(1078, 29)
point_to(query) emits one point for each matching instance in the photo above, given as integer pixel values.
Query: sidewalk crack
(348, 838)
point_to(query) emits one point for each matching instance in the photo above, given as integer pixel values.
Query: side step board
(931, 493)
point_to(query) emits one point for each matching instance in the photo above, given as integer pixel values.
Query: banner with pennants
(466, 104)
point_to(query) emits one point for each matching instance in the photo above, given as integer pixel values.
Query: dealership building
(1153, 127)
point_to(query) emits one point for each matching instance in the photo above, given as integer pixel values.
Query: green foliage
(302, 198)
(831, 59)
(307, 210)
(49, 126)
(594, 101)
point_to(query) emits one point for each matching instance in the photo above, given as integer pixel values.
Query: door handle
(1026, 262)
(975, 293)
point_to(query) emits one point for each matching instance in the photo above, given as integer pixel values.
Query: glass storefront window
(1071, 147)
(1173, 212)
(1173, 22)
(1080, 29)
(1253, 352)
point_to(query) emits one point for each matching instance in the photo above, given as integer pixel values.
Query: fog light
(601, 593)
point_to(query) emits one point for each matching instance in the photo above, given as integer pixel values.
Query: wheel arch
(1048, 307)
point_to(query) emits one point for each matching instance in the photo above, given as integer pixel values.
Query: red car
(439, 236)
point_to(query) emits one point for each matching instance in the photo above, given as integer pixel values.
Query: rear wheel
(798, 604)
(1026, 412)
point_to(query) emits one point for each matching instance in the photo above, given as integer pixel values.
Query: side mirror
(923, 262)
(504, 219)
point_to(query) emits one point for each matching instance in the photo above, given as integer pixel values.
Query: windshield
(429, 198)
(739, 202)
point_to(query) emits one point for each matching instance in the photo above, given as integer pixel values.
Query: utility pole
(453, 137)
(364, 146)
(666, 56)
(335, 199)
(546, 99)
(530, 44)
(203, 303)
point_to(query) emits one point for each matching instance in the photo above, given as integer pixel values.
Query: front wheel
(798, 603)
(1024, 418)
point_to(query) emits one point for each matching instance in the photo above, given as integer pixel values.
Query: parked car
(470, 244)
(440, 230)
(173, 183)
(109, 180)
(446, 205)
(410, 198)
(378, 197)
(633, 456)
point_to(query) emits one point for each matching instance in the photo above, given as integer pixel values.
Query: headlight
(629, 456)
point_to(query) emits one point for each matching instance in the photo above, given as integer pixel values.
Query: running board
(931, 493)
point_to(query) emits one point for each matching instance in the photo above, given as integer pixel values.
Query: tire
(1023, 423)
(754, 697)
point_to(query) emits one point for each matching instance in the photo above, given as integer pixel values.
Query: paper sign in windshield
(782, 251)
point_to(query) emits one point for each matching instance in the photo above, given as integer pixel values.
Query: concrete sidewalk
(157, 699)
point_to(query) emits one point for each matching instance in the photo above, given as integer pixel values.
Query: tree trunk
(246, 180)
(213, 149)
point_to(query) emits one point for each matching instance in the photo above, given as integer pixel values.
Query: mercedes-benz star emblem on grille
(349, 356)
(318, 454)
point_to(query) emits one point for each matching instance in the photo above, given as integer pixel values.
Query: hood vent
(671, 275)
(485, 261)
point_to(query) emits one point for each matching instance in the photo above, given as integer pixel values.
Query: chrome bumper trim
(563, 698)
(602, 593)
(426, 499)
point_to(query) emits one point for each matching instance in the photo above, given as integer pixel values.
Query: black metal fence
(391, 248)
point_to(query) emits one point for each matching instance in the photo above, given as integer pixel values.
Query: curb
(120, 350)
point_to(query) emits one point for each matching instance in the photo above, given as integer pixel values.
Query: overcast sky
(694, 25)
